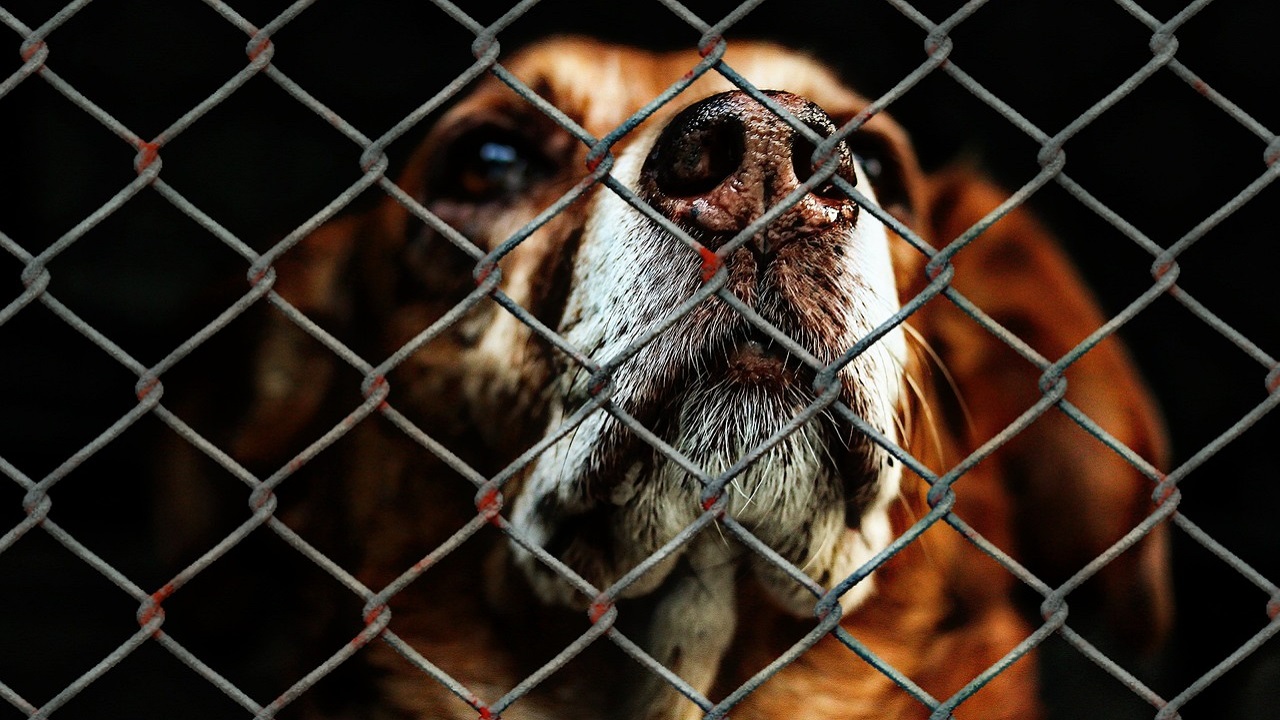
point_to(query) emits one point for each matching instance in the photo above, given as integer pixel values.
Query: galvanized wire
(37, 57)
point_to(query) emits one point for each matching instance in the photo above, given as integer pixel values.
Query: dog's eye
(871, 166)
(490, 164)
(878, 159)
(496, 169)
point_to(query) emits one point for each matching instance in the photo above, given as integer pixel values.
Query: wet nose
(723, 162)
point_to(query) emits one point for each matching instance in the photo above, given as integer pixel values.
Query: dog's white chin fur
(628, 276)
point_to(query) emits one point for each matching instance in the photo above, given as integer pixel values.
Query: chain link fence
(37, 253)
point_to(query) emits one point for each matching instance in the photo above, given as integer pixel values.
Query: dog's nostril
(803, 164)
(694, 161)
(724, 161)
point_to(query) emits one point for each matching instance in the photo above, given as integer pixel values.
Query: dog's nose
(723, 162)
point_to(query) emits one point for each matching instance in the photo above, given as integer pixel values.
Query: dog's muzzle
(712, 383)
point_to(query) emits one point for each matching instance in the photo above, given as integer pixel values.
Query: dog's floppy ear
(291, 371)
(1071, 496)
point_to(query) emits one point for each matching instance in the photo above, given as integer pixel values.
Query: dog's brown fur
(941, 612)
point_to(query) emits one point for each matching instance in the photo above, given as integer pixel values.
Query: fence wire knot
(489, 502)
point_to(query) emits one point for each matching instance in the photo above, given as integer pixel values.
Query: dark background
(260, 164)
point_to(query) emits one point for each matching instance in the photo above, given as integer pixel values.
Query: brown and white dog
(713, 385)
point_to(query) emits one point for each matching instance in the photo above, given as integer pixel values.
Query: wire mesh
(38, 63)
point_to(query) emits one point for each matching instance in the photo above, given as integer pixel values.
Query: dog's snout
(723, 162)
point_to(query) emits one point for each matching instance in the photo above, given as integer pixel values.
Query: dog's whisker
(938, 362)
(930, 422)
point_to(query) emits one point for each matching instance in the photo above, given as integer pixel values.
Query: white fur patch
(630, 275)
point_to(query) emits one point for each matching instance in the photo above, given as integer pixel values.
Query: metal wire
(37, 66)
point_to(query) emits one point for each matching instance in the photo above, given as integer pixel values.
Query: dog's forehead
(600, 85)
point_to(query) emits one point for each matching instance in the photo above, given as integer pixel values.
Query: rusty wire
(38, 65)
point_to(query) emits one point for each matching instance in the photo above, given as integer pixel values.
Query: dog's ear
(292, 372)
(1071, 497)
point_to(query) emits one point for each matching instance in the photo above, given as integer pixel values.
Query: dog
(649, 398)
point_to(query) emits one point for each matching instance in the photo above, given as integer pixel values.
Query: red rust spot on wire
(368, 164)
(145, 390)
(425, 563)
(599, 608)
(825, 610)
(378, 382)
(147, 154)
(599, 386)
(710, 263)
(489, 504)
(933, 271)
(1273, 609)
(710, 46)
(1163, 269)
(363, 638)
(157, 598)
(31, 51)
(376, 387)
(593, 163)
(487, 714)
(372, 616)
(260, 48)
(1273, 383)
(484, 272)
(163, 593)
(1167, 493)
(267, 496)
